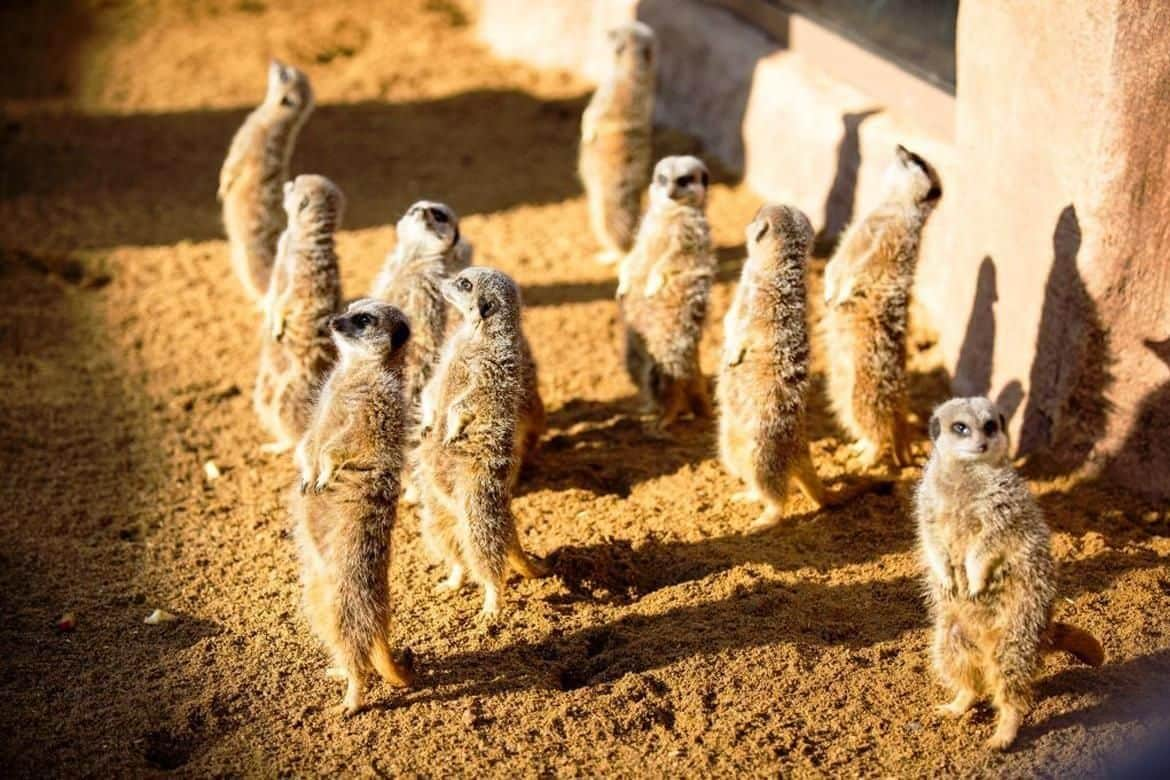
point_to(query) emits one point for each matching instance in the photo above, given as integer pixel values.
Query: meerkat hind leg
(454, 580)
(804, 474)
(1007, 726)
(747, 496)
(352, 703)
(276, 447)
(960, 704)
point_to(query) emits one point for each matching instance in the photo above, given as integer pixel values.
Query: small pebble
(158, 616)
(66, 623)
(211, 471)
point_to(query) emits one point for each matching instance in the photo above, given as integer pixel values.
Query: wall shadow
(480, 151)
(977, 353)
(1066, 411)
(1153, 414)
(44, 47)
(840, 201)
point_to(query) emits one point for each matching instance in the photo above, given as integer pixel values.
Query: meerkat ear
(399, 334)
(486, 307)
(904, 154)
(935, 427)
(1003, 423)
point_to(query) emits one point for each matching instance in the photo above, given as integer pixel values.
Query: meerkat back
(867, 292)
(256, 168)
(304, 293)
(614, 158)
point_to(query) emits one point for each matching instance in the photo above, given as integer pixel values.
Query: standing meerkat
(349, 463)
(989, 570)
(254, 172)
(616, 130)
(867, 296)
(663, 288)
(473, 437)
(429, 249)
(296, 349)
(764, 371)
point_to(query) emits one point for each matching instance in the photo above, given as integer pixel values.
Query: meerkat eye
(647, 54)
(362, 320)
(439, 216)
(960, 429)
(683, 181)
(990, 428)
(621, 47)
(660, 180)
(464, 284)
(705, 178)
(304, 203)
(288, 101)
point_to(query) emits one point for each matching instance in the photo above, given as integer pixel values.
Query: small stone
(66, 623)
(159, 616)
(1151, 517)
(211, 471)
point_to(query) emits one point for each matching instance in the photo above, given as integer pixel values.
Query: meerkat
(990, 575)
(663, 289)
(764, 371)
(473, 437)
(296, 349)
(616, 129)
(254, 172)
(867, 295)
(430, 249)
(349, 462)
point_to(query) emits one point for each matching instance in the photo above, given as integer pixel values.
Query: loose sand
(670, 642)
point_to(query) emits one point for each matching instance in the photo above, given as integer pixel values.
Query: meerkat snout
(432, 226)
(632, 45)
(682, 180)
(970, 429)
(912, 177)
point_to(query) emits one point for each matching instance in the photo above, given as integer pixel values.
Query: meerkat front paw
(324, 472)
(453, 582)
(957, 706)
(457, 419)
(735, 355)
(654, 283)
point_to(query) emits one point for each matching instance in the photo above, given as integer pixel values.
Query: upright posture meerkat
(474, 434)
(430, 248)
(255, 170)
(763, 376)
(614, 159)
(296, 350)
(663, 287)
(349, 462)
(867, 296)
(989, 570)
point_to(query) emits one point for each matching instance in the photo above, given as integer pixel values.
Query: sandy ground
(670, 642)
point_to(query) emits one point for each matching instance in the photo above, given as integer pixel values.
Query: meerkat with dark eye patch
(253, 175)
(473, 436)
(663, 288)
(764, 371)
(990, 575)
(349, 462)
(867, 295)
(296, 349)
(616, 130)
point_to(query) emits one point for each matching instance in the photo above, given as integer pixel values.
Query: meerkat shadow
(976, 355)
(841, 198)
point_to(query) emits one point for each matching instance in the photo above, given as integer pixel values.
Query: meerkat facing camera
(663, 288)
(867, 296)
(430, 248)
(990, 575)
(349, 462)
(764, 371)
(472, 436)
(616, 131)
(296, 349)
(256, 168)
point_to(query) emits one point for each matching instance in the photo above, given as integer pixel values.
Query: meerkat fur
(764, 370)
(349, 462)
(664, 284)
(253, 175)
(304, 292)
(616, 134)
(990, 575)
(868, 283)
(471, 438)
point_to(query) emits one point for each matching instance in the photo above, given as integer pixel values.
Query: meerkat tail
(526, 566)
(1075, 641)
(386, 667)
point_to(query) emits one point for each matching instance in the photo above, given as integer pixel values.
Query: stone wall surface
(1044, 269)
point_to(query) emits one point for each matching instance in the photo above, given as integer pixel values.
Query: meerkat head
(431, 227)
(485, 297)
(779, 232)
(680, 180)
(288, 90)
(633, 49)
(370, 328)
(911, 178)
(312, 201)
(970, 430)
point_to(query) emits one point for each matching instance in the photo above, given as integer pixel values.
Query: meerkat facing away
(867, 295)
(663, 288)
(764, 371)
(616, 130)
(989, 570)
(429, 249)
(472, 437)
(296, 349)
(256, 168)
(349, 462)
